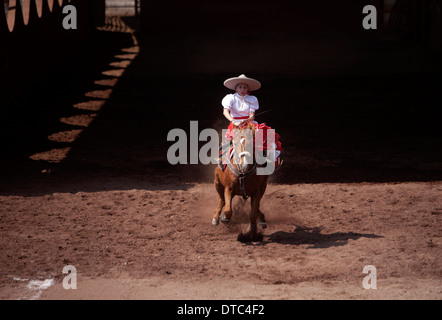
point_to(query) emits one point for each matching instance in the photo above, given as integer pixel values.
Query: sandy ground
(143, 244)
(88, 185)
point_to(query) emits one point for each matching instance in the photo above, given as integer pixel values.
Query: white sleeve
(254, 105)
(227, 101)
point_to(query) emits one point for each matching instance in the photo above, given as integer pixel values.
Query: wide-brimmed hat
(251, 83)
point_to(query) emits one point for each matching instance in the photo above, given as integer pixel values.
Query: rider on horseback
(240, 107)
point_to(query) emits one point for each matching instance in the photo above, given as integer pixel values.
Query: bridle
(241, 176)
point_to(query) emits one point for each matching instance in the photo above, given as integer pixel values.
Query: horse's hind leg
(262, 219)
(220, 189)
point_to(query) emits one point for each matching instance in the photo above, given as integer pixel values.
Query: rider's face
(242, 89)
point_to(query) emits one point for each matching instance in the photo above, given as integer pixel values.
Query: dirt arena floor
(85, 179)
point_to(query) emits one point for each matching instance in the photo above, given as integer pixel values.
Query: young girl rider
(240, 107)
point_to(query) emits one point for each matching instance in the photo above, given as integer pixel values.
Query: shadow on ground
(314, 238)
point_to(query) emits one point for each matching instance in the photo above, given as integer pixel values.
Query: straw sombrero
(251, 83)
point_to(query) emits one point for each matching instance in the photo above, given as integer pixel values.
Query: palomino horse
(240, 178)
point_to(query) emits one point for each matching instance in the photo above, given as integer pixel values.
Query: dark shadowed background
(350, 104)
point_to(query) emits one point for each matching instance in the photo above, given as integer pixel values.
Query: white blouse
(240, 106)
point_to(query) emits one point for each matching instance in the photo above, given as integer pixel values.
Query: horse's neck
(250, 126)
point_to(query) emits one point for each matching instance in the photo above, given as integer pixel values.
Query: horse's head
(243, 145)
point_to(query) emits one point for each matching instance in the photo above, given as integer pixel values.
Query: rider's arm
(226, 113)
(251, 116)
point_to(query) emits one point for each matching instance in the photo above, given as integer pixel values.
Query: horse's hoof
(258, 237)
(224, 219)
(250, 238)
(263, 224)
(243, 238)
(215, 222)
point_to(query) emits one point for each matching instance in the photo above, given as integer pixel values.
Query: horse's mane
(249, 125)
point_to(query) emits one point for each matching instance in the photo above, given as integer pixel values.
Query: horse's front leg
(228, 202)
(252, 233)
(262, 220)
